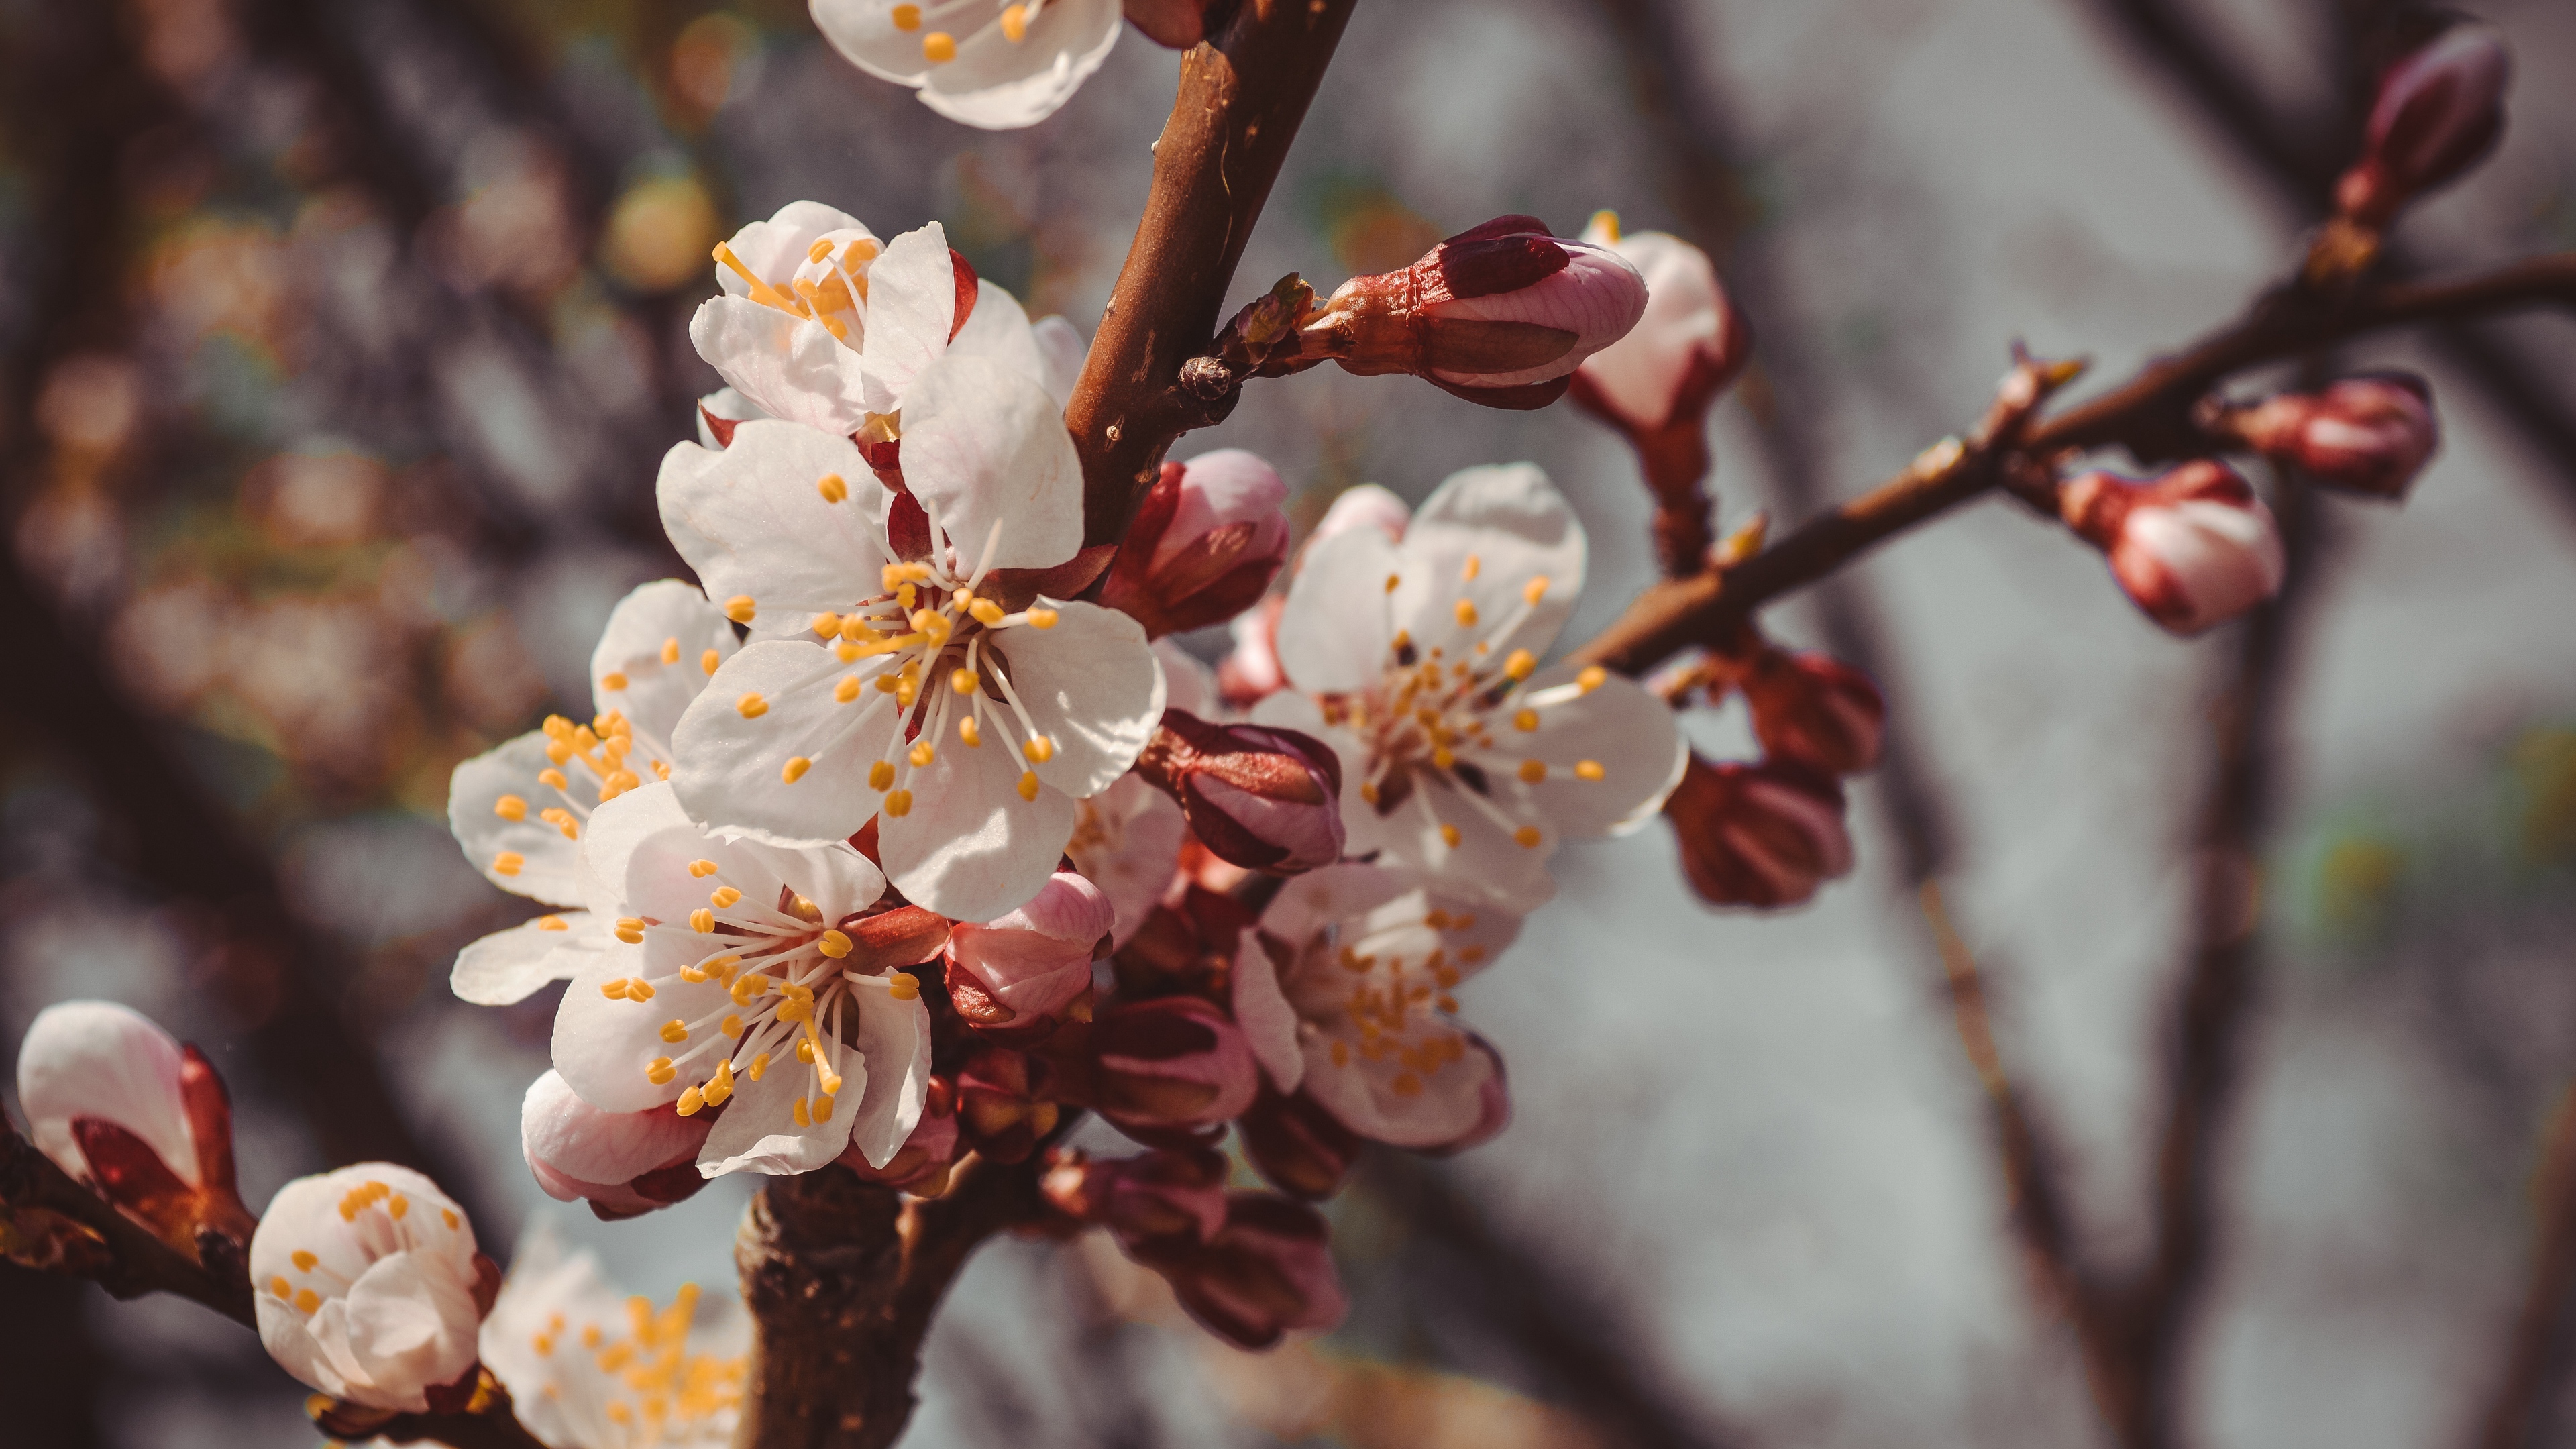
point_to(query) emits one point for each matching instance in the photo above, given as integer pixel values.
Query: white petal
(580, 1141)
(1093, 685)
(1312, 903)
(411, 1326)
(1000, 85)
(1264, 1014)
(894, 1037)
(1486, 864)
(666, 617)
(1062, 345)
(753, 521)
(1363, 1094)
(985, 446)
(773, 249)
(604, 1047)
(511, 965)
(1129, 845)
(616, 829)
(790, 368)
(99, 1059)
(998, 330)
(972, 849)
(1333, 637)
(912, 304)
(1188, 685)
(548, 867)
(732, 770)
(1622, 727)
(758, 1131)
(1516, 527)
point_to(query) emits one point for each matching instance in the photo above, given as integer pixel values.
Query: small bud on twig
(1206, 543)
(1759, 835)
(1264, 799)
(2369, 435)
(2192, 548)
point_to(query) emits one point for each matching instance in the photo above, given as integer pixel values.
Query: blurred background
(339, 341)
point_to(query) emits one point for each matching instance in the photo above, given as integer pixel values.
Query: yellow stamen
(708, 661)
(740, 608)
(830, 485)
(827, 625)
(690, 1101)
(661, 1072)
(554, 778)
(963, 681)
(833, 944)
(751, 705)
(986, 613)
(1449, 836)
(1591, 678)
(899, 804)
(1015, 23)
(612, 682)
(1466, 612)
(1029, 785)
(1533, 771)
(508, 862)
(906, 17)
(967, 732)
(880, 775)
(1039, 749)
(847, 689)
(922, 754)
(1519, 665)
(724, 897)
(671, 650)
(703, 868)
(675, 1031)
(702, 920)
(510, 808)
(794, 770)
(1041, 618)
(938, 48)
(1588, 770)
(1525, 720)
(902, 987)
(1528, 837)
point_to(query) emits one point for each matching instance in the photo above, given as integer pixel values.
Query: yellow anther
(451, 1219)
(759, 1064)
(1368, 791)
(1442, 758)
(830, 484)
(671, 650)
(1449, 836)
(905, 17)
(1029, 785)
(555, 778)
(1392, 580)
(1472, 955)
(702, 920)
(1525, 720)
(639, 989)
(741, 608)
(720, 1086)
(880, 775)
(558, 750)
(847, 653)
(827, 625)
(708, 661)
(986, 613)
(1527, 837)
(306, 1300)
(1533, 771)
(630, 926)
(1041, 618)
(969, 733)
(819, 250)
(614, 990)
(963, 681)
(1588, 770)
(1039, 749)
(690, 1101)
(1015, 23)
(1591, 678)
(675, 1031)
(804, 1049)
(508, 862)
(889, 683)
(730, 1027)
(833, 944)
(797, 1115)
(938, 48)
(510, 808)
(703, 868)
(1519, 665)
(612, 682)
(751, 705)
(724, 897)
(1466, 612)
(898, 804)
(921, 754)
(281, 1287)
(1408, 1085)
(661, 1073)
(747, 987)
(848, 689)
(823, 1108)
(902, 987)
(556, 727)
(1437, 919)
(794, 770)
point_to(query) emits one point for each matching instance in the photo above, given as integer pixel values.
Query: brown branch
(133, 1262)
(1242, 95)
(2536, 1338)
(2149, 414)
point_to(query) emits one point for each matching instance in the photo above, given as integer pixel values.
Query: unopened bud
(1206, 543)
(1173, 1061)
(1815, 708)
(1159, 1197)
(1268, 1272)
(1021, 973)
(2192, 548)
(922, 1165)
(624, 1164)
(120, 1104)
(1264, 799)
(1759, 835)
(2369, 435)
(1004, 1103)
(1500, 315)
(2439, 112)
(1302, 1149)
(1685, 350)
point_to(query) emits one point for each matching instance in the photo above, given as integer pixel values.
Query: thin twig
(2533, 1341)
(135, 1262)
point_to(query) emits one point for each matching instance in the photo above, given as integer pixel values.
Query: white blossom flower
(589, 1368)
(369, 1287)
(1344, 990)
(1418, 663)
(519, 810)
(1127, 841)
(753, 978)
(996, 64)
(823, 324)
(952, 698)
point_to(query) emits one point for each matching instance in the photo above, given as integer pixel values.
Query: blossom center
(655, 1390)
(1394, 1006)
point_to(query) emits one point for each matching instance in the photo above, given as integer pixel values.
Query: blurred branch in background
(2536, 1343)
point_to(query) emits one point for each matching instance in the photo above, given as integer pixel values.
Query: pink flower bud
(624, 1164)
(1251, 673)
(1021, 973)
(2439, 112)
(1159, 1196)
(1815, 708)
(1302, 1149)
(1004, 1103)
(1173, 1061)
(1684, 352)
(2369, 434)
(1759, 835)
(1264, 799)
(922, 1165)
(1268, 1272)
(1206, 543)
(2192, 548)
(120, 1104)
(1363, 505)
(369, 1288)
(1500, 315)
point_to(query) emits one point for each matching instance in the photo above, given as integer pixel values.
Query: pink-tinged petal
(732, 768)
(985, 450)
(1034, 961)
(756, 523)
(98, 1059)
(894, 1037)
(1333, 636)
(1091, 684)
(1689, 336)
(1619, 726)
(1128, 843)
(1268, 1022)
(382, 1284)
(562, 1133)
(1364, 505)
(1387, 1101)
(512, 965)
(663, 620)
(1597, 297)
(526, 856)
(1519, 530)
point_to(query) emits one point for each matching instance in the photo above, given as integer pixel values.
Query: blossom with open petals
(1417, 662)
(588, 1367)
(749, 977)
(369, 1288)
(995, 64)
(519, 811)
(1344, 990)
(947, 694)
(1127, 841)
(822, 323)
